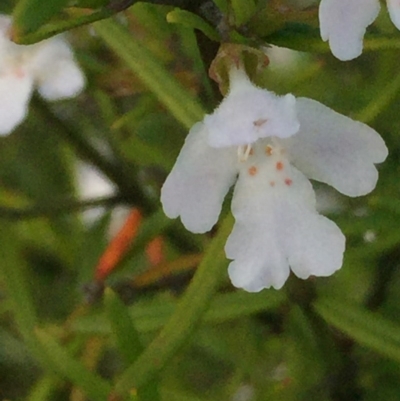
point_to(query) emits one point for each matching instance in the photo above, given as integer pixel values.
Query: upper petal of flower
(335, 149)
(394, 11)
(344, 22)
(277, 227)
(199, 181)
(15, 92)
(56, 72)
(248, 113)
(11, 54)
(5, 24)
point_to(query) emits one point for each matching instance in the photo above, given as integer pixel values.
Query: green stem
(311, 44)
(56, 207)
(114, 7)
(186, 318)
(379, 103)
(124, 179)
(52, 29)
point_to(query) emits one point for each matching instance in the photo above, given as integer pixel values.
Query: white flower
(344, 22)
(277, 226)
(48, 65)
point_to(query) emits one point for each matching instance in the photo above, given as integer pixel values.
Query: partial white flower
(249, 113)
(277, 226)
(49, 66)
(343, 23)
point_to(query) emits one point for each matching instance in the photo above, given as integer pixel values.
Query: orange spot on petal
(288, 182)
(252, 170)
(268, 150)
(272, 183)
(279, 166)
(19, 73)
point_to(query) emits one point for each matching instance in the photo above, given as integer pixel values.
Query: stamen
(244, 152)
(269, 150)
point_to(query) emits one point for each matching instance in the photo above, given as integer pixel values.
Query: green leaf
(92, 245)
(122, 326)
(54, 28)
(43, 389)
(244, 10)
(89, 3)
(128, 340)
(30, 15)
(64, 364)
(367, 328)
(12, 270)
(222, 5)
(381, 102)
(192, 21)
(223, 308)
(187, 316)
(177, 99)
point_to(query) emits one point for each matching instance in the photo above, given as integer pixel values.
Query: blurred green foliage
(335, 338)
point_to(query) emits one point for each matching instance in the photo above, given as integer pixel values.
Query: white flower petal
(5, 24)
(258, 262)
(335, 149)
(316, 246)
(394, 11)
(15, 92)
(344, 22)
(57, 74)
(199, 181)
(11, 54)
(248, 113)
(277, 227)
(64, 81)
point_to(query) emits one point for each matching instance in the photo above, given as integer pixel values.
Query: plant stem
(57, 207)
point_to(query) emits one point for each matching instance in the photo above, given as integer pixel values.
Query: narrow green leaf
(55, 28)
(30, 15)
(183, 106)
(186, 318)
(89, 3)
(64, 364)
(122, 327)
(128, 340)
(223, 308)
(367, 328)
(12, 266)
(192, 21)
(240, 303)
(380, 102)
(43, 389)
(222, 5)
(244, 10)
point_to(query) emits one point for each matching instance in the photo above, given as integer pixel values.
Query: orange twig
(118, 246)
